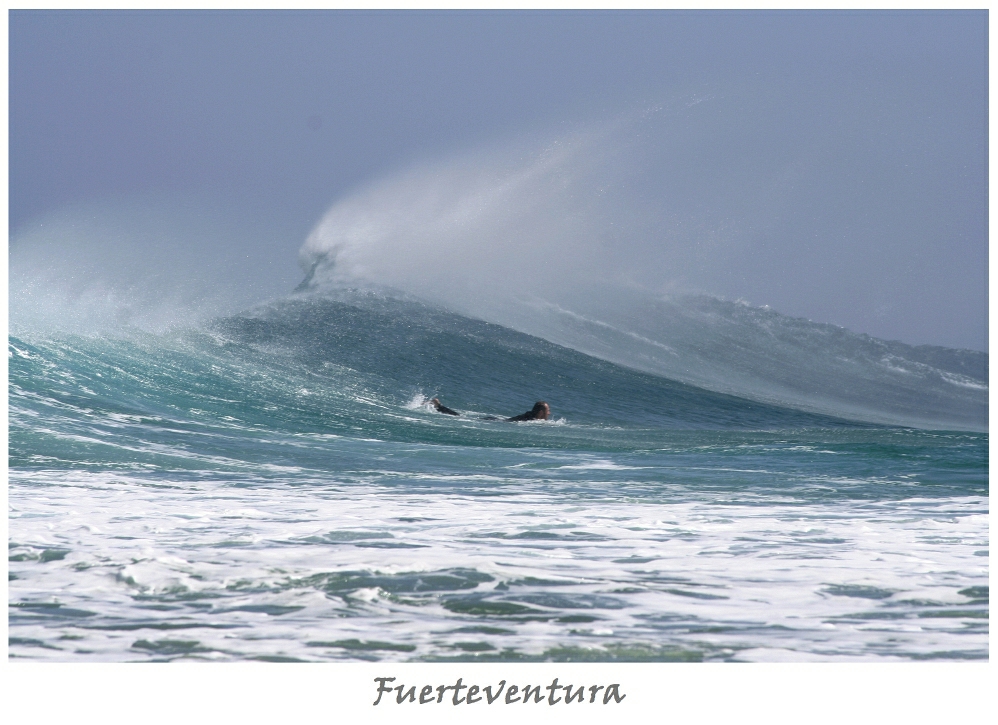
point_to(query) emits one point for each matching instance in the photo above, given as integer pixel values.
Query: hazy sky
(831, 165)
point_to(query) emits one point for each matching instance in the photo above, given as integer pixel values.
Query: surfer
(540, 411)
(441, 408)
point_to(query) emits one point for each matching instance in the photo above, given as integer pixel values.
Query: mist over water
(561, 240)
(140, 262)
(541, 216)
(567, 236)
(830, 165)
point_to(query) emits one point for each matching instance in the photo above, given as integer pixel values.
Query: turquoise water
(272, 485)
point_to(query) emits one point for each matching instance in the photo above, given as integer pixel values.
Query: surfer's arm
(441, 408)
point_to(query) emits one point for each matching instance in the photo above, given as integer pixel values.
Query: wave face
(755, 354)
(760, 354)
(480, 367)
(271, 485)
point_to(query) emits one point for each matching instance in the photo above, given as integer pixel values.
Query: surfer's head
(541, 410)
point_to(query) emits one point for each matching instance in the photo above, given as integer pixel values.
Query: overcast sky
(834, 165)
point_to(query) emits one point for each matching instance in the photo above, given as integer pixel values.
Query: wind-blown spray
(561, 243)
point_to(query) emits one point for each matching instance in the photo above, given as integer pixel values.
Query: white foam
(770, 582)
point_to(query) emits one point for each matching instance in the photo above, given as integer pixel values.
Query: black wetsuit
(443, 408)
(535, 413)
(529, 415)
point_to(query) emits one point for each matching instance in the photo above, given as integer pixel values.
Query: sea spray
(137, 263)
(558, 240)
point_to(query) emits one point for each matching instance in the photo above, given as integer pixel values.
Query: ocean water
(272, 485)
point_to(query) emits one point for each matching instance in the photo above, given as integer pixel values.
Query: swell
(255, 388)
(485, 367)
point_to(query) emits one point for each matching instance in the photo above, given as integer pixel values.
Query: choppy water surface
(273, 488)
